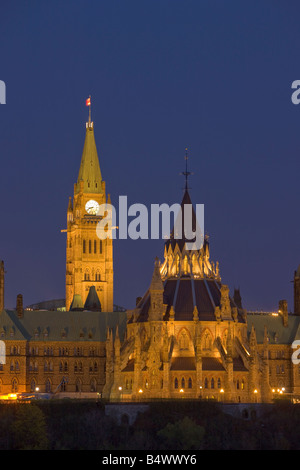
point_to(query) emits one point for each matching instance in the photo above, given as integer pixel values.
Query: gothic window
(176, 383)
(32, 385)
(183, 340)
(185, 265)
(206, 383)
(177, 264)
(95, 246)
(100, 247)
(14, 386)
(182, 382)
(219, 382)
(78, 385)
(93, 385)
(83, 246)
(237, 384)
(48, 386)
(212, 383)
(90, 246)
(190, 383)
(207, 340)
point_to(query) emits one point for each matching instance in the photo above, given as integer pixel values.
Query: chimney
(19, 307)
(1, 285)
(283, 311)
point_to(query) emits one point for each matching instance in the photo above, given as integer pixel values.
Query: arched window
(176, 383)
(90, 246)
(219, 382)
(183, 340)
(48, 386)
(93, 385)
(83, 246)
(190, 383)
(78, 385)
(14, 385)
(207, 341)
(212, 383)
(182, 382)
(33, 385)
(205, 383)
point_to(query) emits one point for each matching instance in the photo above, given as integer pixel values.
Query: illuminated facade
(89, 259)
(188, 338)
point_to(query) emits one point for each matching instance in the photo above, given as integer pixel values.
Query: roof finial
(186, 173)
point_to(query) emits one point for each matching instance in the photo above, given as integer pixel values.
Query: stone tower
(89, 259)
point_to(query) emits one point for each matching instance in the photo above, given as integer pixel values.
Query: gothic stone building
(63, 353)
(187, 337)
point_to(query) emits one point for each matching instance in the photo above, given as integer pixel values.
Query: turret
(156, 290)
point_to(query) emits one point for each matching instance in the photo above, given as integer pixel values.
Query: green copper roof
(277, 333)
(43, 325)
(89, 171)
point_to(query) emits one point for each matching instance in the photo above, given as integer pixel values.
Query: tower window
(100, 247)
(83, 246)
(95, 246)
(90, 246)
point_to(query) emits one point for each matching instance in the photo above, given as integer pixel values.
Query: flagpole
(90, 111)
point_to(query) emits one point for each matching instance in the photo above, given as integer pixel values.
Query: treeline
(76, 425)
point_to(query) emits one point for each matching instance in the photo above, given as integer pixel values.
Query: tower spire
(186, 173)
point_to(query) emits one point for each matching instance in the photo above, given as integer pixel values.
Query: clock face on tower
(92, 207)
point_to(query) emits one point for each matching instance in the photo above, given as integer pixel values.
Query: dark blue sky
(213, 76)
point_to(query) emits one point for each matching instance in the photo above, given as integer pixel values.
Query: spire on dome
(186, 173)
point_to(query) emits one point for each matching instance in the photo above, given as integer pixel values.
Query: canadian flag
(88, 102)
